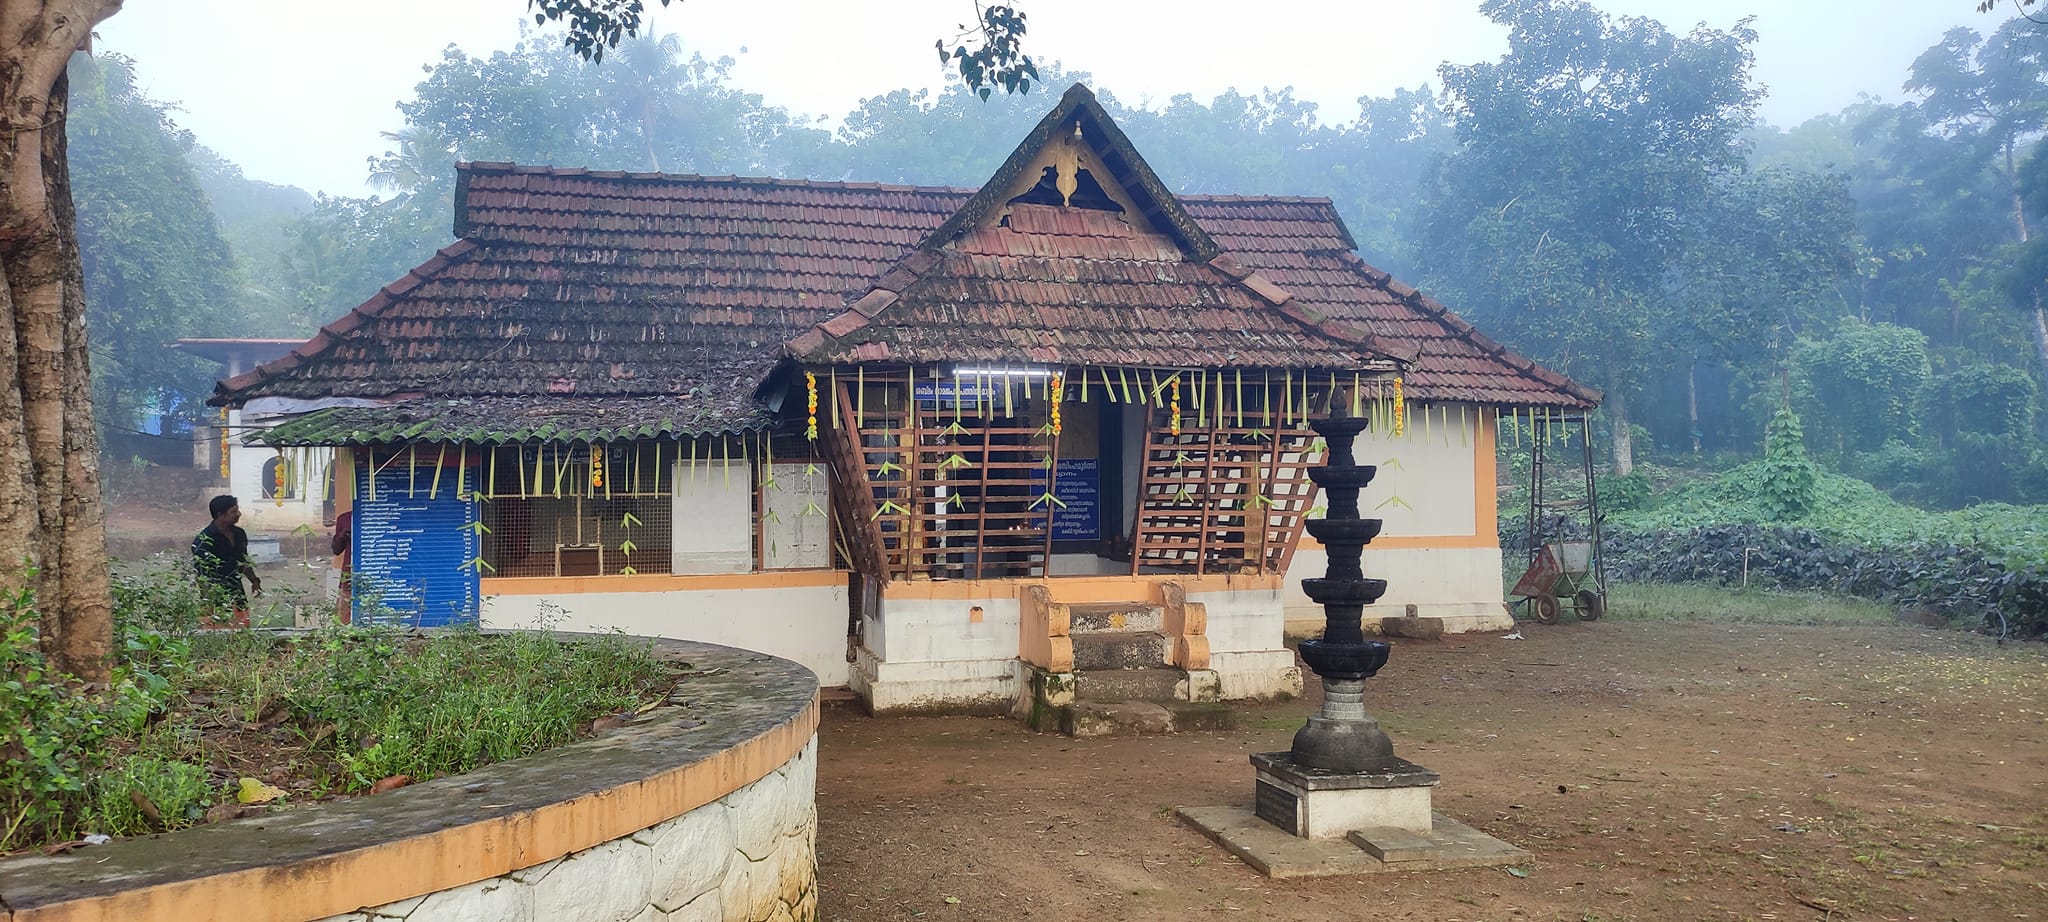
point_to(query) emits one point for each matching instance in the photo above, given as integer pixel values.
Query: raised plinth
(1317, 803)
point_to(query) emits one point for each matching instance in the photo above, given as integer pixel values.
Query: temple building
(942, 446)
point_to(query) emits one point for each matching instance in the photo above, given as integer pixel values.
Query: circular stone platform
(606, 828)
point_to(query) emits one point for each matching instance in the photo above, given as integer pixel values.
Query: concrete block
(1118, 650)
(756, 812)
(497, 899)
(1192, 716)
(736, 893)
(1204, 685)
(1130, 685)
(1394, 845)
(1118, 718)
(1416, 628)
(608, 883)
(689, 855)
(1114, 617)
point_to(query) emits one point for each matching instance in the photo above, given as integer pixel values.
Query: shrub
(1956, 580)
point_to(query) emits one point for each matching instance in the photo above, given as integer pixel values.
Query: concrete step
(1119, 650)
(1087, 719)
(1114, 617)
(1129, 684)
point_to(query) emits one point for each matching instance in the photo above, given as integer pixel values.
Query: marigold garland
(1173, 388)
(224, 443)
(1400, 408)
(1058, 392)
(811, 396)
(277, 480)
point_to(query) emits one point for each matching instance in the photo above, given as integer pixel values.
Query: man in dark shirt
(220, 555)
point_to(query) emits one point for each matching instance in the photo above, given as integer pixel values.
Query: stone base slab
(1272, 852)
(1319, 804)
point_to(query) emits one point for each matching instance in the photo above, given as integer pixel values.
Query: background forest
(1602, 198)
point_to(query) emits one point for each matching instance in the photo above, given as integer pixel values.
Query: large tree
(51, 518)
(50, 514)
(1565, 207)
(1990, 96)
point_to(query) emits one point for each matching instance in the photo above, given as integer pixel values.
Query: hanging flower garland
(1400, 408)
(1059, 389)
(811, 398)
(223, 443)
(277, 479)
(1173, 391)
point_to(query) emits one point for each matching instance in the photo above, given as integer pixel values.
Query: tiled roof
(1071, 286)
(1303, 246)
(575, 284)
(512, 420)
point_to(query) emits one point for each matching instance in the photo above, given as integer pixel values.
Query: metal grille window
(579, 510)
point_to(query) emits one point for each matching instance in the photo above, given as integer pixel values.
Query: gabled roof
(679, 292)
(1027, 271)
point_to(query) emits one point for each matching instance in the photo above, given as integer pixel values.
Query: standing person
(343, 524)
(220, 555)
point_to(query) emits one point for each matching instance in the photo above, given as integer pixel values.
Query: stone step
(1119, 650)
(1088, 719)
(1114, 617)
(1157, 685)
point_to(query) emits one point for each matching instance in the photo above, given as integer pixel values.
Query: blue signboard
(964, 392)
(412, 549)
(1078, 483)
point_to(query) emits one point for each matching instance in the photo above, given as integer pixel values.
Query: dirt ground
(1655, 771)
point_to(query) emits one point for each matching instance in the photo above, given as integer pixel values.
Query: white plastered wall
(934, 653)
(802, 623)
(1247, 643)
(306, 473)
(1426, 488)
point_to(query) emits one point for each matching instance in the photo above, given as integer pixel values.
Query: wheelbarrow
(1562, 570)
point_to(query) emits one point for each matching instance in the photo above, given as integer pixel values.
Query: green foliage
(1849, 511)
(156, 266)
(55, 735)
(369, 703)
(988, 55)
(1862, 386)
(1785, 482)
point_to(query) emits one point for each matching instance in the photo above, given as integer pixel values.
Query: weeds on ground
(1691, 602)
(190, 713)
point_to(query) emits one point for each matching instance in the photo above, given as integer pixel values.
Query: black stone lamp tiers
(1343, 737)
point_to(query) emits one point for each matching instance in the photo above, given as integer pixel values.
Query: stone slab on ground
(1091, 719)
(1413, 628)
(1279, 855)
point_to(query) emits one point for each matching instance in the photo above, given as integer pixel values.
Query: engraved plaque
(1277, 806)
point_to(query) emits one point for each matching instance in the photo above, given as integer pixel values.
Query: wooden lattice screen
(1225, 499)
(946, 480)
(949, 493)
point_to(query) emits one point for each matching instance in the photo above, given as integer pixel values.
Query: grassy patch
(194, 717)
(1691, 602)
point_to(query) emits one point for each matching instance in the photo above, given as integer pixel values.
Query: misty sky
(297, 92)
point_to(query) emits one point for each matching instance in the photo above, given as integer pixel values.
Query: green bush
(366, 703)
(55, 734)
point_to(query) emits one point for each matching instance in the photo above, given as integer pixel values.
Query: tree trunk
(1624, 440)
(51, 520)
(2041, 332)
(1692, 404)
